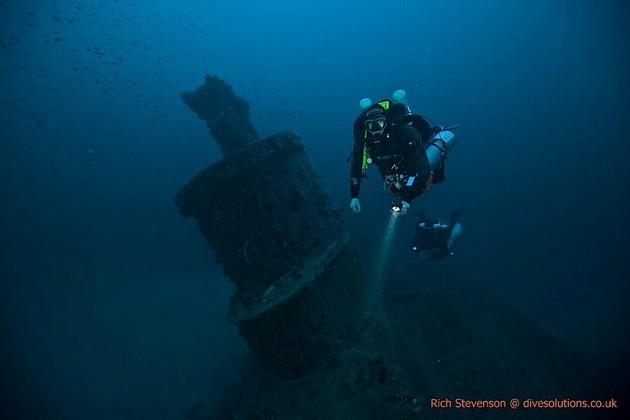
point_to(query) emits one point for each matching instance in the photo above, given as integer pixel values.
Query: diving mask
(376, 126)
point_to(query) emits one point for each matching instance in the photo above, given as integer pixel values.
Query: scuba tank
(436, 148)
(365, 103)
(440, 145)
(455, 233)
(400, 97)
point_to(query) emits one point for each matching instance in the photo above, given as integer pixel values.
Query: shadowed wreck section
(225, 114)
(300, 293)
(273, 228)
(327, 349)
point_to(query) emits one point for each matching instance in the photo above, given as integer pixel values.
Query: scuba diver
(397, 142)
(434, 238)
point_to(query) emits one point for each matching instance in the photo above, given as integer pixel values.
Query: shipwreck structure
(225, 114)
(280, 240)
(302, 304)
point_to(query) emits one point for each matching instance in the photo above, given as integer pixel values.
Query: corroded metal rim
(286, 286)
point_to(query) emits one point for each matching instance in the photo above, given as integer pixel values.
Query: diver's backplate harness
(396, 178)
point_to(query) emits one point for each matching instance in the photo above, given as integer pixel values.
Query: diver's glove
(355, 205)
(400, 209)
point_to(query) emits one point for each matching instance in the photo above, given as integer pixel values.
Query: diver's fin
(456, 214)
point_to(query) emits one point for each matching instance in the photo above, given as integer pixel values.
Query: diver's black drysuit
(398, 151)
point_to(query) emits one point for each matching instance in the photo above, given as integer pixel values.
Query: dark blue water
(112, 304)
